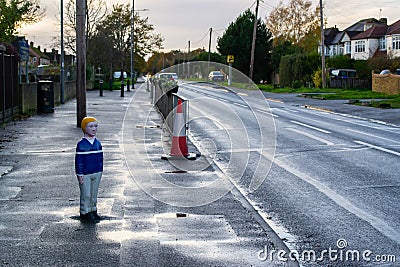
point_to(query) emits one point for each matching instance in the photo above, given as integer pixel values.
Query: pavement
(145, 221)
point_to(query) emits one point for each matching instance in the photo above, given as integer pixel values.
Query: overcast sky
(179, 21)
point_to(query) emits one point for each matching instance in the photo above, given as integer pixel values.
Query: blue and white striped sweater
(88, 157)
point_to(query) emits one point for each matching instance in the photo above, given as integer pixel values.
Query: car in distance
(216, 76)
(385, 72)
(172, 76)
(168, 79)
(117, 75)
(175, 76)
(344, 73)
(397, 72)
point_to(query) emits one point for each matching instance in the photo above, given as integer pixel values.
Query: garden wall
(386, 83)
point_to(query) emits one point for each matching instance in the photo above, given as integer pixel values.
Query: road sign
(24, 49)
(230, 59)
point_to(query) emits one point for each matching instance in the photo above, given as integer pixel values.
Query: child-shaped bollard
(89, 169)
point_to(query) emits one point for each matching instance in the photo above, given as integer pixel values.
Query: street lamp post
(132, 50)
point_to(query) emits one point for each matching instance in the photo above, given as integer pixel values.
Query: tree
(280, 50)
(298, 69)
(96, 12)
(294, 21)
(15, 13)
(115, 30)
(236, 41)
(214, 57)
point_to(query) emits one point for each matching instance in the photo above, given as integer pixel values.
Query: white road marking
(379, 148)
(311, 127)
(266, 112)
(375, 136)
(240, 105)
(340, 200)
(312, 137)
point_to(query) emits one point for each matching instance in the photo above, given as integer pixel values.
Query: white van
(117, 75)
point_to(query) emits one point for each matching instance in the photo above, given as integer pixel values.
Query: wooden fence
(349, 83)
(10, 99)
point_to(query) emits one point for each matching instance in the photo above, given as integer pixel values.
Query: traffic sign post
(230, 59)
(24, 54)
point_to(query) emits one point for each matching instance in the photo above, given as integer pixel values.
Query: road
(328, 184)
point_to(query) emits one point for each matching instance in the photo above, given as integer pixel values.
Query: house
(55, 57)
(366, 43)
(37, 57)
(363, 40)
(393, 40)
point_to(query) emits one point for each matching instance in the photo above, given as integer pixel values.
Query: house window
(348, 48)
(396, 42)
(34, 59)
(341, 49)
(360, 46)
(382, 43)
(334, 50)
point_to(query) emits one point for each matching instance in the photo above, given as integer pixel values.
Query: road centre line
(312, 136)
(311, 127)
(379, 148)
(372, 135)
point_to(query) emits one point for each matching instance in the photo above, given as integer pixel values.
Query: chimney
(44, 51)
(383, 20)
(38, 47)
(31, 44)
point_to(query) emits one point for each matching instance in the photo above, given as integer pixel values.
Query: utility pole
(322, 45)
(209, 46)
(132, 43)
(209, 51)
(189, 59)
(253, 44)
(62, 100)
(80, 61)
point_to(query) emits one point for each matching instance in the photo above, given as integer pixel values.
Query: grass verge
(378, 100)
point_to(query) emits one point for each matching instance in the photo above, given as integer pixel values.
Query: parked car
(385, 72)
(170, 79)
(167, 75)
(397, 72)
(216, 76)
(175, 76)
(344, 73)
(117, 75)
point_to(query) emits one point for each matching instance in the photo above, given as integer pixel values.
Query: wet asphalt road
(333, 183)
